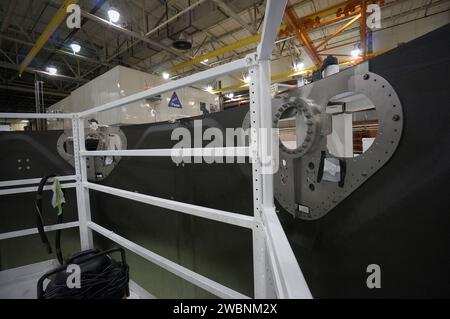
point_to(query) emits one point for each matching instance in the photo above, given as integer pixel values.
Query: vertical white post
(259, 244)
(267, 143)
(283, 271)
(261, 120)
(83, 202)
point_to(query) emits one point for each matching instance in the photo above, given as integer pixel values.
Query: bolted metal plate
(296, 184)
(98, 168)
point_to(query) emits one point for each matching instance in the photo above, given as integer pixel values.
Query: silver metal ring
(302, 107)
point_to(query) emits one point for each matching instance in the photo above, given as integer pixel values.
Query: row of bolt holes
(19, 162)
(254, 122)
(257, 189)
(396, 117)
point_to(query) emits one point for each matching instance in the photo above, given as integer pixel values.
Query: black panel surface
(400, 218)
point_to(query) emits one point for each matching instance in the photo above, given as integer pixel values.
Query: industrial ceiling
(220, 31)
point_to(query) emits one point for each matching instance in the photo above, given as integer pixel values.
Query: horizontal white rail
(11, 191)
(21, 182)
(175, 152)
(36, 116)
(34, 231)
(187, 274)
(199, 211)
(171, 86)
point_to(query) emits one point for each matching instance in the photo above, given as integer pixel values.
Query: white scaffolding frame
(276, 271)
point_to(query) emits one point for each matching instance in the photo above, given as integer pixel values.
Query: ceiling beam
(98, 5)
(11, 66)
(31, 90)
(363, 29)
(132, 34)
(43, 38)
(338, 31)
(298, 30)
(8, 15)
(158, 27)
(57, 51)
(232, 14)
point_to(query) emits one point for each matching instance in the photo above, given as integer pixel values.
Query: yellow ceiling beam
(228, 48)
(338, 31)
(57, 19)
(287, 75)
(275, 78)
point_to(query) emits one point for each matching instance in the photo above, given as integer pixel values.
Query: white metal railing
(182, 152)
(182, 272)
(34, 231)
(22, 182)
(198, 211)
(276, 271)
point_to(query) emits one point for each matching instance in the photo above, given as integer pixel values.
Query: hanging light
(299, 66)
(76, 48)
(246, 79)
(114, 15)
(209, 88)
(356, 52)
(230, 95)
(182, 43)
(165, 75)
(52, 70)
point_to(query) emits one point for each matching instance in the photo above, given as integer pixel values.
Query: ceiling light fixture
(114, 15)
(52, 70)
(356, 52)
(76, 48)
(299, 66)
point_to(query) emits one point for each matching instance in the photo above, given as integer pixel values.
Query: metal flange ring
(303, 108)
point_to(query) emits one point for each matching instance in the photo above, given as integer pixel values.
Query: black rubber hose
(40, 223)
(39, 218)
(58, 242)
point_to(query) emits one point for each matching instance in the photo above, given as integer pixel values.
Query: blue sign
(175, 101)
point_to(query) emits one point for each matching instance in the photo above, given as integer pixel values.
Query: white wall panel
(120, 82)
